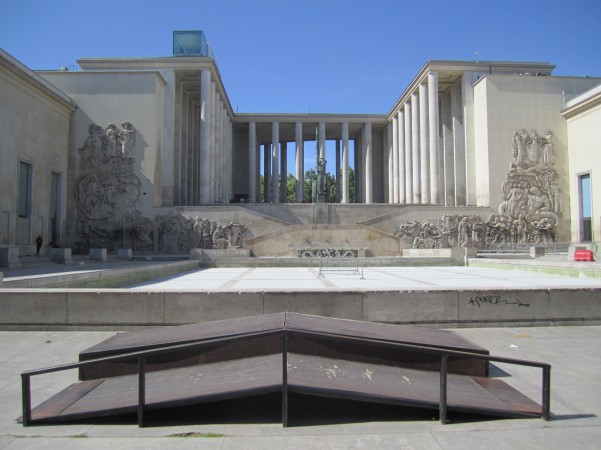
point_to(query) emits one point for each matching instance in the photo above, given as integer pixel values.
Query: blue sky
(323, 56)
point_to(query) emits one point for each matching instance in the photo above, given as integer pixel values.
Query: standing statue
(127, 138)
(463, 231)
(319, 186)
(112, 137)
(548, 157)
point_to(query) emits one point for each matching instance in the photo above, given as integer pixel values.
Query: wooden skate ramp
(300, 358)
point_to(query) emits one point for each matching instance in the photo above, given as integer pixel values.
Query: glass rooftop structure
(191, 43)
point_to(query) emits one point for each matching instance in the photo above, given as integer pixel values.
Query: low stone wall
(114, 309)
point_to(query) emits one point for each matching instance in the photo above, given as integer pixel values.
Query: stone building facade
(125, 152)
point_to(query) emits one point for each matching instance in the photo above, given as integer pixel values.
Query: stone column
(205, 138)
(283, 172)
(219, 154)
(345, 163)
(458, 145)
(368, 163)
(448, 165)
(258, 166)
(433, 121)
(338, 171)
(267, 173)
(424, 153)
(321, 133)
(388, 148)
(212, 155)
(415, 155)
(252, 168)
(275, 164)
(401, 157)
(300, 161)
(395, 162)
(408, 156)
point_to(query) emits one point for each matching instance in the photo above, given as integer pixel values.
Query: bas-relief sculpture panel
(107, 192)
(529, 214)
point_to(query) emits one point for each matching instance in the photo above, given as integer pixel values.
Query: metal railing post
(443, 388)
(546, 400)
(284, 379)
(141, 389)
(26, 399)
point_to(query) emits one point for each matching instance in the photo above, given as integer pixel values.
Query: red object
(583, 255)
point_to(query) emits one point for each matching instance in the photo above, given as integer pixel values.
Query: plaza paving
(374, 279)
(575, 401)
(573, 353)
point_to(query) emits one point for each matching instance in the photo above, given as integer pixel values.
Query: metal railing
(141, 357)
(343, 266)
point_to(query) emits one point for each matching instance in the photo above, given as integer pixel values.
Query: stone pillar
(424, 152)
(408, 156)
(458, 145)
(205, 141)
(395, 162)
(220, 154)
(252, 168)
(258, 166)
(267, 173)
(321, 133)
(345, 163)
(447, 150)
(283, 172)
(275, 164)
(368, 163)
(300, 161)
(389, 193)
(415, 155)
(401, 157)
(433, 122)
(212, 155)
(338, 171)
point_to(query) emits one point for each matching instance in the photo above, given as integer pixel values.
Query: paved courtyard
(374, 278)
(575, 401)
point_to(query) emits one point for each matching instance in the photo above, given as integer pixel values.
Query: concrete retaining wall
(114, 309)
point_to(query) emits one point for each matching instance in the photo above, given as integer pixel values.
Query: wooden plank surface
(173, 387)
(370, 382)
(307, 374)
(162, 337)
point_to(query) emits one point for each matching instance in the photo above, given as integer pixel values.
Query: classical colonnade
(214, 167)
(414, 156)
(275, 161)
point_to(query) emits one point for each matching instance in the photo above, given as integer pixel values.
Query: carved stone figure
(521, 229)
(544, 231)
(548, 156)
(112, 135)
(519, 153)
(319, 189)
(127, 138)
(464, 233)
(534, 147)
(408, 230)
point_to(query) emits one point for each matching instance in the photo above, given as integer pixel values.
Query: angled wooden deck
(307, 374)
(287, 353)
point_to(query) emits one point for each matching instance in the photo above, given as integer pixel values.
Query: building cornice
(308, 117)
(583, 103)
(39, 84)
(176, 63)
(461, 67)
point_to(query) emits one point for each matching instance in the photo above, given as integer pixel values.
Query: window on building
(55, 206)
(586, 230)
(25, 189)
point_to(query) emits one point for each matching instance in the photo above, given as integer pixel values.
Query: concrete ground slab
(572, 352)
(374, 278)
